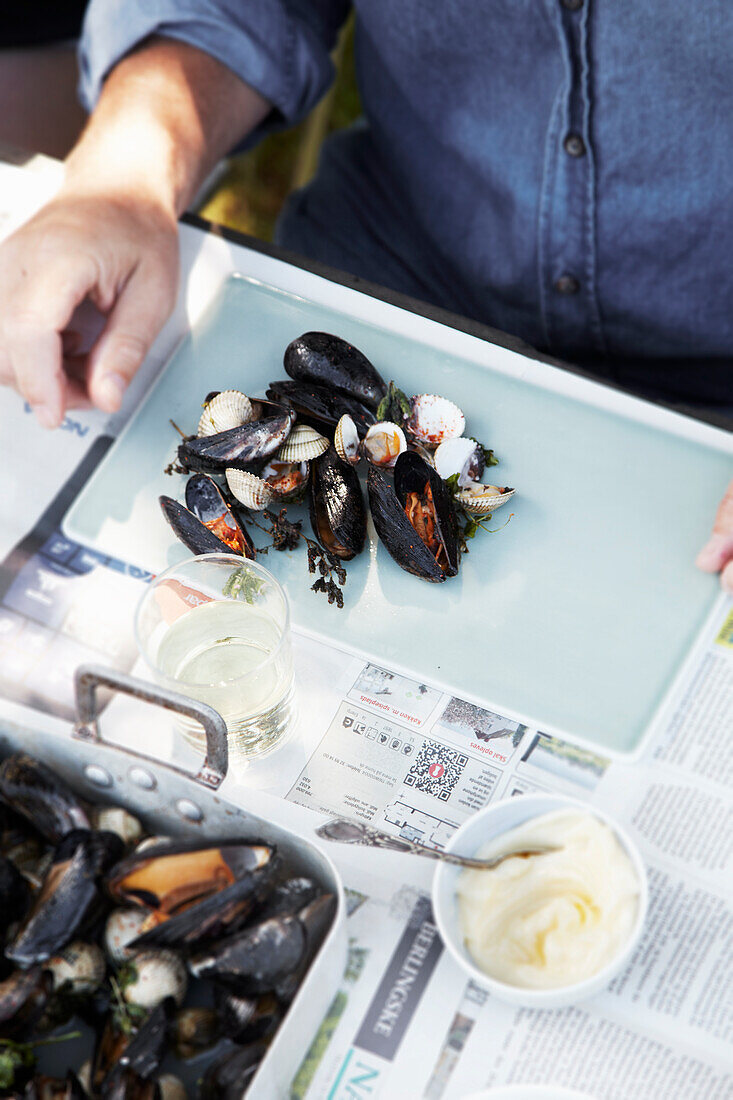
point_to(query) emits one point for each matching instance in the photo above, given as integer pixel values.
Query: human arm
(717, 554)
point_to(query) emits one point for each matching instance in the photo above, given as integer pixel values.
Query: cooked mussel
(243, 1019)
(169, 875)
(414, 519)
(229, 1077)
(67, 895)
(42, 1087)
(205, 501)
(23, 999)
(191, 531)
(329, 360)
(15, 894)
(288, 897)
(316, 919)
(236, 448)
(321, 406)
(337, 510)
(40, 796)
(145, 1051)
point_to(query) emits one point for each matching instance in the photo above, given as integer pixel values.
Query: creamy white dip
(555, 919)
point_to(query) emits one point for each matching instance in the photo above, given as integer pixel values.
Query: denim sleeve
(279, 47)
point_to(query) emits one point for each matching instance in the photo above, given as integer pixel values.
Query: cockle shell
(249, 490)
(346, 440)
(434, 419)
(228, 409)
(286, 479)
(460, 456)
(122, 927)
(158, 974)
(384, 443)
(303, 444)
(114, 819)
(171, 1087)
(80, 966)
(480, 499)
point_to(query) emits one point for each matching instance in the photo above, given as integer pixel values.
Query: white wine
(233, 656)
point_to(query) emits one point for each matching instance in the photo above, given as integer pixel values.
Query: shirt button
(567, 284)
(574, 145)
(572, 5)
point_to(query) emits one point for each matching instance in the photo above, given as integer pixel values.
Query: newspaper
(414, 762)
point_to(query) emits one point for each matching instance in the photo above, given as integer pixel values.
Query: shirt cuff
(280, 55)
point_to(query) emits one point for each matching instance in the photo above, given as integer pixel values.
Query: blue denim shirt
(560, 169)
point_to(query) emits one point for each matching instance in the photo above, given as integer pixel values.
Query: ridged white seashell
(346, 440)
(122, 927)
(384, 443)
(158, 974)
(80, 966)
(460, 456)
(114, 819)
(228, 409)
(303, 444)
(480, 499)
(434, 419)
(249, 490)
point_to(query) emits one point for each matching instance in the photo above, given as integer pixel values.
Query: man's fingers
(39, 377)
(719, 548)
(726, 578)
(136, 319)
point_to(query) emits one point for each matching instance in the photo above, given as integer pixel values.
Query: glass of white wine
(217, 628)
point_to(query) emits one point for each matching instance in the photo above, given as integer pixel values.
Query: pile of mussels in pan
(103, 925)
(308, 437)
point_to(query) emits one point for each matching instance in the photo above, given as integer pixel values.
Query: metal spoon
(344, 831)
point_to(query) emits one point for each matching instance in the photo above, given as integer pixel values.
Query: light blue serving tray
(575, 616)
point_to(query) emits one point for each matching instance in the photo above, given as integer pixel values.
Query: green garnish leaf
(243, 585)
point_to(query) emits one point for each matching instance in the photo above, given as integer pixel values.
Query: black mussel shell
(190, 530)
(320, 406)
(402, 541)
(15, 894)
(229, 1076)
(42, 1087)
(68, 893)
(256, 959)
(321, 357)
(111, 1042)
(337, 510)
(217, 915)
(170, 875)
(238, 447)
(316, 919)
(243, 1019)
(204, 499)
(33, 790)
(23, 1000)
(128, 1086)
(146, 1049)
(288, 897)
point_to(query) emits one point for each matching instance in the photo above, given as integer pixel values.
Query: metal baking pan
(170, 801)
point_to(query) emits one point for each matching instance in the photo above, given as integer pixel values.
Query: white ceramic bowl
(489, 824)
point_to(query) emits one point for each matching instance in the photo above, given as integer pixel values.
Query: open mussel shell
(434, 419)
(480, 500)
(168, 876)
(41, 797)
(205, 501)
(68, 893)
(384, 443)
(15, 894)
(303, 444)
(331, 361)
(425, 545)
(237, 447)
(43, 1087)
(24, 996)
(320, 406)
(251, 491)
(461, 456)
(316, 919)
(230, 1075)
(243, 1019)
(346, 440)
(337, 510)
(226, 409)
(190, 531)
(288, 897)
(146, 1049)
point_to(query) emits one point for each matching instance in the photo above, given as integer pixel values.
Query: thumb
(135, 320)
(719, 548)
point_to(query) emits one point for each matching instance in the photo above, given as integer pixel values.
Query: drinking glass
(217, 628)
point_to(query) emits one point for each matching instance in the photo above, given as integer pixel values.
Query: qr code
(436, 770)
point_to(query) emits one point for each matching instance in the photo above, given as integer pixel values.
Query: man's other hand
(717, 554)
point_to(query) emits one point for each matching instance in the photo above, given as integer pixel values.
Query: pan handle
(88, 678)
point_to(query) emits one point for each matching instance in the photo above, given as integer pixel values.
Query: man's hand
(117, 250)
(717, 554)
(167, 114)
